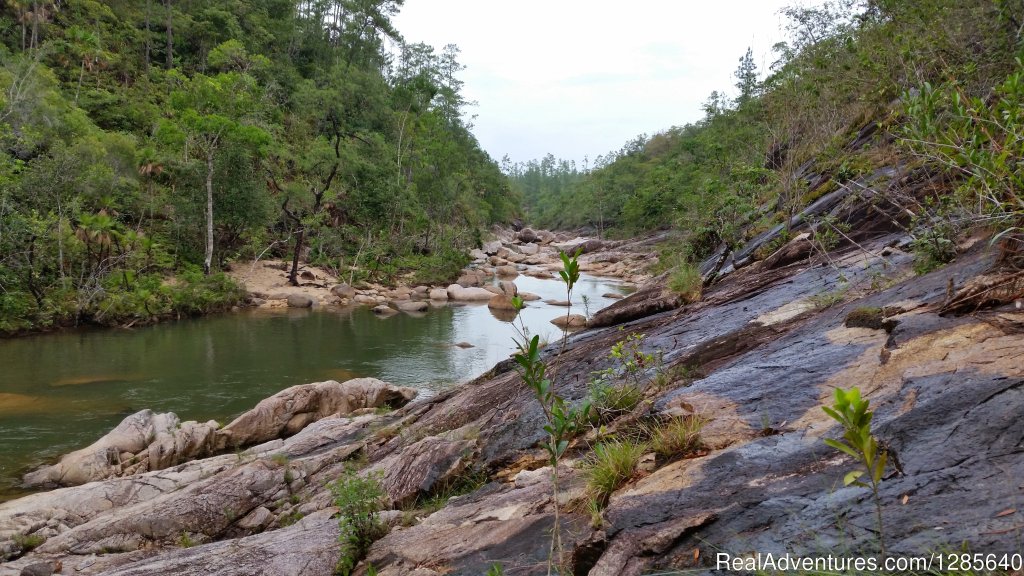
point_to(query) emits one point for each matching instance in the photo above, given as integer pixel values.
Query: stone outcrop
(457, 292)
(292, 409)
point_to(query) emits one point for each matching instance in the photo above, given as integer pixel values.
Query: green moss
(869, 317)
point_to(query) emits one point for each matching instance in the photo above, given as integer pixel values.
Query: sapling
(852, 412)
(561, 420)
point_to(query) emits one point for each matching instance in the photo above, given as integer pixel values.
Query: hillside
(144, 145)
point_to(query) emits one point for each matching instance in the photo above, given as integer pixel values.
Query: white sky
(581, 77)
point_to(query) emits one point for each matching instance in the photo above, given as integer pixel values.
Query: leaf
(1006, 512)
(841, 447)
(851, 477)
(880, 467)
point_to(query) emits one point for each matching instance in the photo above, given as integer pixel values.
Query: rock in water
(501, 302)
(438, 294)
(290, 410)
(418, 306)
(508, 287)
(570, 321)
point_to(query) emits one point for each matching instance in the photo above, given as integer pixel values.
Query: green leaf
(841, 447)
(851, 477)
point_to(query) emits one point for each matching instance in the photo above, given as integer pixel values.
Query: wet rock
(528, 297)
(570, 321)
(507, 287)
(383, 310)
(457, 292)
(102, 459)
(418, 306)
(438, 294)
(507, 271)
(501, 302)
(290, 410)
(468, 281)
(565, 303)
(299, 301)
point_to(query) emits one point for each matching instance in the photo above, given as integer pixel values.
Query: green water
(60, 392)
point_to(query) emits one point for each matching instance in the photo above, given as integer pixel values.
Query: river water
(60, 392)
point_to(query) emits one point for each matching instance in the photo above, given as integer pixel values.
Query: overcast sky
(581, 77)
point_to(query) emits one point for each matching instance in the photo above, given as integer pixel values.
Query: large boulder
(438, 294)
(501, 302)
(529, 249)
(492, 247)
(507, 271)
(292, 409)
(413, 306)
(103, 458)
(570, 321)
(527, 235)
(344, 291)
(477, 254)
(508, 287)
(300, 301)
(457, 292)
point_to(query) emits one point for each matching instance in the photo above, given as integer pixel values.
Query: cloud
(578, 78)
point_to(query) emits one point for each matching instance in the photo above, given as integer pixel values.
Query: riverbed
(60, 392)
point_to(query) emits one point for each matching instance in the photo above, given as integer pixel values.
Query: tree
(746, 78)
(211, 112)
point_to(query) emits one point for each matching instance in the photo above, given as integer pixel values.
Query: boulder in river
(413, 306)
(508, 287)
(570, 321)
(457, 292)
(438, 294)
(501, 302)
(492, 247)
(507, 271)
(292, 409)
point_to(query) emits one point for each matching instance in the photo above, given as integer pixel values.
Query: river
(60, 392)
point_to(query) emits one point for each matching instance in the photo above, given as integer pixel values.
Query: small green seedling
(852, 412)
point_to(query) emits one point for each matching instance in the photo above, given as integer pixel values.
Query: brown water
(60, 392)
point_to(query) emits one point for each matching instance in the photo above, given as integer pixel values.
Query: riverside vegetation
(143, 145)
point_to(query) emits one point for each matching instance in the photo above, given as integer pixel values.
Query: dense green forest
(943, 79)
(144, 144)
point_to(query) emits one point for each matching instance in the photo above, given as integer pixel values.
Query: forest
(146, 144)
(933, 84)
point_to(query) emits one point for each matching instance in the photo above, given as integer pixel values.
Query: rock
(290, 410)
(299, 301)
(457, 292)
(468, 280)
(529, 249)
(439, 294)
(508, 287)
(307, 275)
(545, 237)
(515, 258)
(477, 254)
(527, 235)
(383, 310)
(464, 345)
(613, 295)
(419, 306)
(570, 321)
(257, 520)
(503, 253)
(564, 303)
(420, 467)
(365, 299)
(38, 569)
(102, 458)
(528, 297)
(492, 247)
(421, 290)
(501, 302)
(507, 271)
(493, 289)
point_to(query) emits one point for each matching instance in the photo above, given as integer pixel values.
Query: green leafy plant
(28, 542)
(852, 413)
(562, 421)
(358, 499)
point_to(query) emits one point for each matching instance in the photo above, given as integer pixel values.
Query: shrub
(358, 500)
(610, 466)
(680, 436)
(608, 401)
(686, 281)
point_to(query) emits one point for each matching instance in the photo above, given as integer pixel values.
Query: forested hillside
(935, 85)
(144, 144)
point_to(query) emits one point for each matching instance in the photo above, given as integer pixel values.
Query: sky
(578, 78)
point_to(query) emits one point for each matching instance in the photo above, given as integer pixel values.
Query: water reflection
(59, 392)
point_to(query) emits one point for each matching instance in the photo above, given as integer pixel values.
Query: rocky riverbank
(756, 357)
(509, 254)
